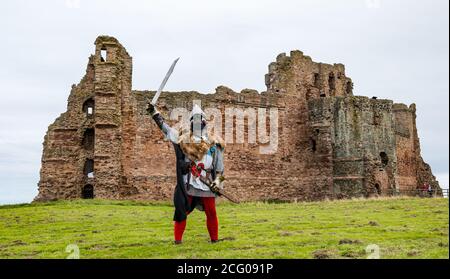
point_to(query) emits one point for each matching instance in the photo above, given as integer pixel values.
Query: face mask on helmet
(198, 125)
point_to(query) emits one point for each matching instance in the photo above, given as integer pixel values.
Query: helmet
(196, 110)
(198, 122)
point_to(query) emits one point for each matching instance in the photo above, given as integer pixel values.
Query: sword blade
(163, 83)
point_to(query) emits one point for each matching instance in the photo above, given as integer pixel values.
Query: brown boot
(178, 242)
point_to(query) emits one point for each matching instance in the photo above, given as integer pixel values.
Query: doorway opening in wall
(103, 54)
(384, 159)
(87, 192)
(378, 189)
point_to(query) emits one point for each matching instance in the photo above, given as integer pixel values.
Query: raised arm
(170, 133)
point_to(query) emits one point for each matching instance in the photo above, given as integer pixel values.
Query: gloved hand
(151, 109)
(217, 184)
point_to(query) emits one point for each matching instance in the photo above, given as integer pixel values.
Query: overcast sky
(394, 49)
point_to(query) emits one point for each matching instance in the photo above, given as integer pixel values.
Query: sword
(220, 192)
(163, 83)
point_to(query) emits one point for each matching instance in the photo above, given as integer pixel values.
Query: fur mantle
(195, 151)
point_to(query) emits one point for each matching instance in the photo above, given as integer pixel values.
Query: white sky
(394, 49)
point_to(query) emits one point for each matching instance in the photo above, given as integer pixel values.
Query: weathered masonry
(331, 144)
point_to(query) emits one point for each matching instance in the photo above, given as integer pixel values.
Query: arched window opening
(88, 139)
(87, 192)
(384, 159)
(88, 107)
(89, 168)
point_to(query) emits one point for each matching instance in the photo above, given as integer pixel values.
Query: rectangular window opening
(103, 55)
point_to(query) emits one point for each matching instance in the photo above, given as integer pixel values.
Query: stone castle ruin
(330, 143)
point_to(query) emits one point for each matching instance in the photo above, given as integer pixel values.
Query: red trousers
(212, 223)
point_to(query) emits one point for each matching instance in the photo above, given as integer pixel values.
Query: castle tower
(82, 148)
(305, 140)
(112, 82)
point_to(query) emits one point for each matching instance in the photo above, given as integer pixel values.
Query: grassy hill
(401, 228)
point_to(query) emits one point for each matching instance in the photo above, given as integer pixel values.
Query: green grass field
(401, 228)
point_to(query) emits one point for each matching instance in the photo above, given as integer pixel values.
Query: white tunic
(207, 160)
(195, 181)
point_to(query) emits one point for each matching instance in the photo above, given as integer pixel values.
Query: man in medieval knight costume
(199, 167)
